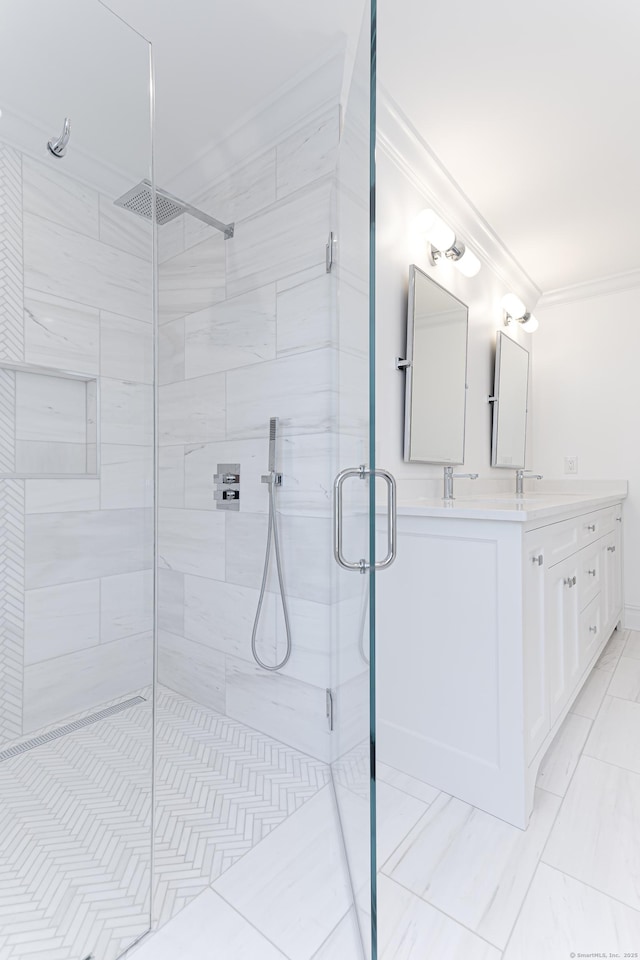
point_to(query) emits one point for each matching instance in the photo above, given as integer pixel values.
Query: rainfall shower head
(139, 200)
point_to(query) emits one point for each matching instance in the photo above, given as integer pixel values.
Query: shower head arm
(226, 228)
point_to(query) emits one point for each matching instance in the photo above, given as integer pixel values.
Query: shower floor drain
(66, 729)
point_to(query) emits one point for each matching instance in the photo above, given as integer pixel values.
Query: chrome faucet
(520, 475)
(450, 476)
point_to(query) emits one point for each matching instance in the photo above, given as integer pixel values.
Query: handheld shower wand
(273, 479)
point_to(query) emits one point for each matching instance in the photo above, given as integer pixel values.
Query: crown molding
(601, 287)
(403, 145)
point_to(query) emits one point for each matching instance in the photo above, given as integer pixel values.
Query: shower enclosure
(149, 334)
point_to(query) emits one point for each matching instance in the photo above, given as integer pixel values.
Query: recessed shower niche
(48, 423)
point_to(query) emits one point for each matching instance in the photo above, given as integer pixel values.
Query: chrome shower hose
(272, 534)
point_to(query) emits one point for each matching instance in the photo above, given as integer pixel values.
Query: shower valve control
(226, 486)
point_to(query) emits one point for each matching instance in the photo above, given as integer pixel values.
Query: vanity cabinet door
(562, 632)
(536, 692)
(612, 566)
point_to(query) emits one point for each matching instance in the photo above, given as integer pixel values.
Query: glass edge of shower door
(372, 485)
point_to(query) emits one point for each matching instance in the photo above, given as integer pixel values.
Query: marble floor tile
(562, 917)
(612, 651)
(403, 781)
(345, 941)
(410, 929)
(397, 814)
(294, 885)
(562, 757)
(471, 865)
(625, 682)
(591, 837)
(206, 928)
(615, 737)
(588, 701)
(632, 646)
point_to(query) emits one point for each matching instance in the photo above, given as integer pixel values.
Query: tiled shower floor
(74, 824)
(455, 883)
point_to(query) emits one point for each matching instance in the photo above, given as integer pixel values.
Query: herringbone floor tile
(75, 824)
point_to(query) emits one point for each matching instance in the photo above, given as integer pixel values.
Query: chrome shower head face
(139, 200)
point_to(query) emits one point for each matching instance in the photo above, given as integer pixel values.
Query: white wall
(587, 404)
(399, 200)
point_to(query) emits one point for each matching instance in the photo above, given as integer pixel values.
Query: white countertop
(532, 506)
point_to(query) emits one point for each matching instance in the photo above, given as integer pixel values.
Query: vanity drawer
(590, 631)
(589, 574)
(597, 524)
(560, 540)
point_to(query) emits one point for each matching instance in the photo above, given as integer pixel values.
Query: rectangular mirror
(510, 392)
(436, 384)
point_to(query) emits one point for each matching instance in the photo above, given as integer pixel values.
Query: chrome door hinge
(330, 251)
(330, 708)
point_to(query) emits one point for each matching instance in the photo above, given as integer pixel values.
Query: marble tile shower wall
(247, 333)
(75, 570)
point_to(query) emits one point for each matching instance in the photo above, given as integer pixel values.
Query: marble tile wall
(247, 334)
(75, 570)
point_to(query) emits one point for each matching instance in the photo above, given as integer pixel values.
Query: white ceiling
(533, 108)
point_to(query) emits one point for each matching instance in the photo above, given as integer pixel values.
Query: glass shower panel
(264, 397)
(353, 660)
(76, 483)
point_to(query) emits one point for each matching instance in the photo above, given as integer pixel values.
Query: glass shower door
(76, 484)
(353, 660)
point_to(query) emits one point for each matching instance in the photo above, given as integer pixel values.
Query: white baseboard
(631, 617)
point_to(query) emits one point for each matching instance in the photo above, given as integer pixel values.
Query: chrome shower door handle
(392, 519)
(362, 473)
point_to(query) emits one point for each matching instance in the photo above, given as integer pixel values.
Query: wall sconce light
(514, 309)
(444, 243)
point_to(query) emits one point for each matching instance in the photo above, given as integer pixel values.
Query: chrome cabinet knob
(611, 549)
(592, 527)
(539, 560)
(570, 582)
(591, 573)
(593, 629)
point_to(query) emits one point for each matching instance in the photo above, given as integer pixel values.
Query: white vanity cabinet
(490, 622)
